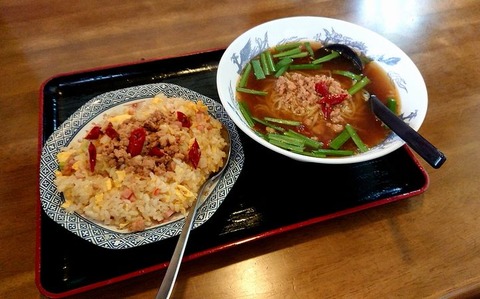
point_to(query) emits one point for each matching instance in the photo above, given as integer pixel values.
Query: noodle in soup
(299, 98)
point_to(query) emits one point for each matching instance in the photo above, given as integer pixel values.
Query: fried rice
(138, 168)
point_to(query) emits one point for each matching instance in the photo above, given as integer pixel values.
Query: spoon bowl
(348, 53)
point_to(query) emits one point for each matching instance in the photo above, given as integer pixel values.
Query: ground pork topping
(311, 96)
(163, 133)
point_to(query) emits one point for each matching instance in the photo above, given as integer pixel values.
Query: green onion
(288, 46)
(308, 141)
(287, 53)
(260, 134)
(252, 91)
(358, 86)
(257, 69)
(267, 124)
(326, 58)
(348, 74)
(246, 113)
(338, 141)
(263, 60)
(283, 121)
(311, 154)
(287, 146)
(244, 77)
(304, 66)
(282, 66)
(270, 63)
(392, 105)
(284, 62)
(281, 70)
(351, 131)
(299, 55)
(309, 48)
(333, 152)
(286, 139)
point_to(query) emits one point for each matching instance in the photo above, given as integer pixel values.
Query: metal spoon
(417, 142)
(168, 282)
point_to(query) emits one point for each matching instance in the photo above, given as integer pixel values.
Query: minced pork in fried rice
(135, 169)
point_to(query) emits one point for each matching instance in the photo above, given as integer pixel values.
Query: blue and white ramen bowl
(399, 67)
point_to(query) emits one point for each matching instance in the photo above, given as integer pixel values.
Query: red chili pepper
(334, 99)
(328, 99)
(111, 132)
(194, 153)
(322, 89)
(156, 151)
(136, 141)
(181, 117)
(92, 156)
(94, 133)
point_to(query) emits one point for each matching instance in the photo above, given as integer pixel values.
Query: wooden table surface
(425, 246)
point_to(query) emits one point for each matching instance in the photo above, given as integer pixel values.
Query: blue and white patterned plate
(109, 237)
(399, 67)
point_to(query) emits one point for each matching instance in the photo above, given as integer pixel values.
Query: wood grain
(427, 246)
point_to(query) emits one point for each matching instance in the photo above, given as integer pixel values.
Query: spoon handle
(417, 142)
(168, 282)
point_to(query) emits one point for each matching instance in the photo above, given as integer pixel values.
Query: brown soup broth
(368, 127)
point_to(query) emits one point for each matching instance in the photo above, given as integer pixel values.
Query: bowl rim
(223, 90)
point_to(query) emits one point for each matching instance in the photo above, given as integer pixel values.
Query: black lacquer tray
(64, 262)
